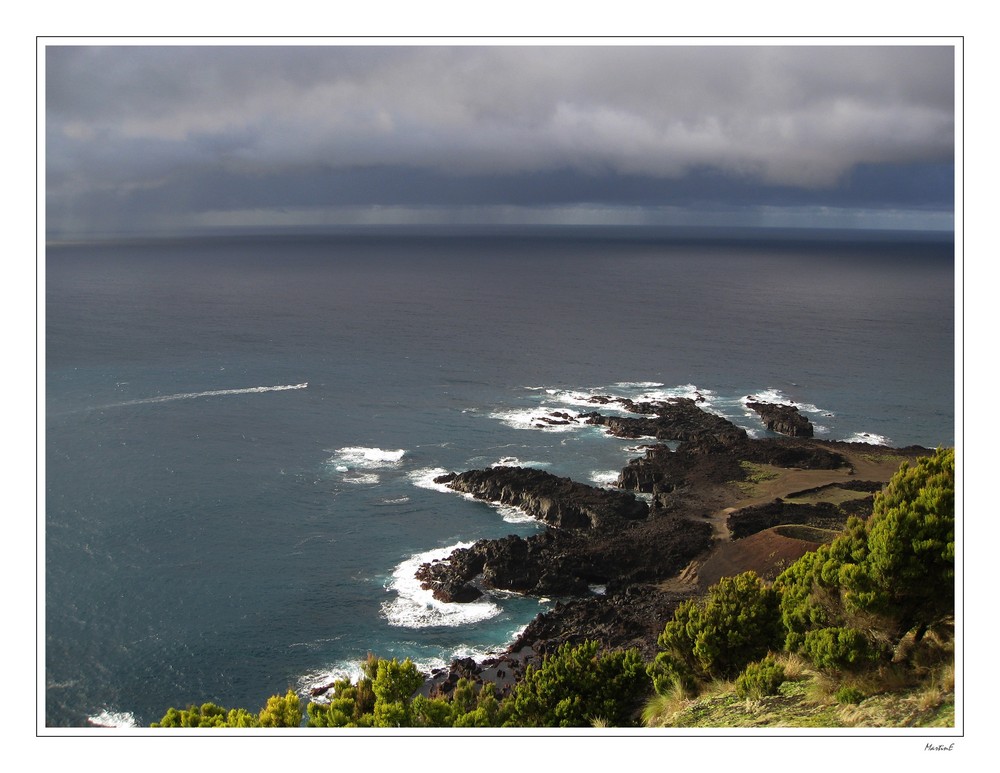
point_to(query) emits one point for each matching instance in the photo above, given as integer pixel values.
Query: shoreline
(714, 477)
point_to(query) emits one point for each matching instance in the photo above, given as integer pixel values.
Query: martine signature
(940, 747)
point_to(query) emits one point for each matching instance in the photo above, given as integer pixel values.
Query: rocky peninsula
(619, 560)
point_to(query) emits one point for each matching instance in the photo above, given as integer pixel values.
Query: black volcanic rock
(512, 563)
(631, 618)
(784, 419)
(566, 562)
(559, 502)
(786, 452)
(678, 418)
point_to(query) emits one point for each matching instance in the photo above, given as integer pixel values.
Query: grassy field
(809, 699)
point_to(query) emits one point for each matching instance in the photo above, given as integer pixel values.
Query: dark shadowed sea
(241, 433)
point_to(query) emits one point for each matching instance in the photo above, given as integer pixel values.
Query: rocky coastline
(618, 561)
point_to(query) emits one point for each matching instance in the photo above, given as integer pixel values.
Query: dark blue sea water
(241, 433)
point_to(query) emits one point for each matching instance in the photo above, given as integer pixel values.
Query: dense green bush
(280, 711)
(737, 623)
(836, 649)
(760, 679)
(888, 576)
(382, 697)
(576, 687)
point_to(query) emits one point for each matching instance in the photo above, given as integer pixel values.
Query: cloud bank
(159, 137)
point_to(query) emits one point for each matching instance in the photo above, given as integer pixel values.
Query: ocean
(242, 432)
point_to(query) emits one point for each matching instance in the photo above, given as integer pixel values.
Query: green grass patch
(755, 474)
(832, 494)
(806, 533)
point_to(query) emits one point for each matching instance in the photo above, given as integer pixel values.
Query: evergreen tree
(737, 623)
(576, 686)
(850, 602)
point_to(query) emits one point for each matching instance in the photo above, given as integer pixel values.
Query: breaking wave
(415, 607)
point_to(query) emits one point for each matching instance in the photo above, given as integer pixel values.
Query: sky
(166, 138)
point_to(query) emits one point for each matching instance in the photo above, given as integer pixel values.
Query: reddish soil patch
(767, 553)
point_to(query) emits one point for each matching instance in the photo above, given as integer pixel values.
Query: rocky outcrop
(568, 563)
(632, 618)
(559, 502)
(540, 565)
(687, 475)
(678, 418)
(783, 419)
(787, 452)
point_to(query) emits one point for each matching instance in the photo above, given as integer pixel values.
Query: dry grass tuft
(796, 667)
(661, 710)
(820, 689)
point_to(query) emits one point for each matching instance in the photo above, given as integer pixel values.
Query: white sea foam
(211, 393)
(513, 461)
(638, 384)
(429, 665)
(478, 654)
(345, 670)
(415, 607)
(108, 718)
(776, 396)
(577, 397)
(689, 391)
(573, 403)
(868, 437)
(509, 513)
(424, 478)
(357, 457)
(642, 448)
(770, 395)
(538, 418)
(604, 477)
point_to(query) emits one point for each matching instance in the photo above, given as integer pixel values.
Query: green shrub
(836, 649)
(738, 623)
(382, 697)
(849, 694)
(280, 711)
(575, 686)
(760, 679)
(897, 570)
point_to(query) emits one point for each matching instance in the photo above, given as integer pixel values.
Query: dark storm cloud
(158, 134)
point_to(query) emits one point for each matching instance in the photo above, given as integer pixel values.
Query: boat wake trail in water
(210, 393)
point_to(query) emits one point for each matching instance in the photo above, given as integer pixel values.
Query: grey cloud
(138, 118)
